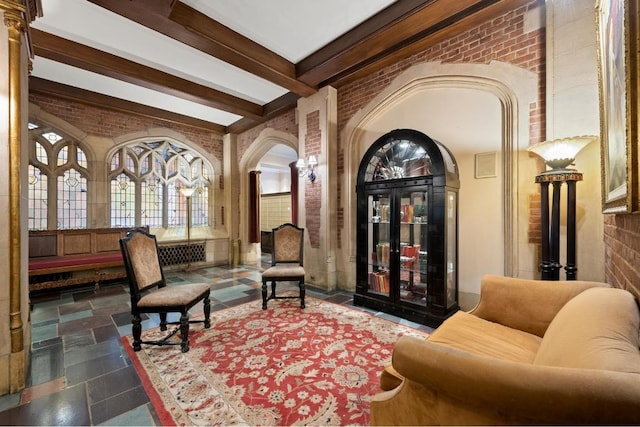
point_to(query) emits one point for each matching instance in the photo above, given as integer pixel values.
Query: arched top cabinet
(407, 236)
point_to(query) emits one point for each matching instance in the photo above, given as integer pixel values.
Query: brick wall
(622, 252)
(284, 123)
(502, 39)
(312, 191)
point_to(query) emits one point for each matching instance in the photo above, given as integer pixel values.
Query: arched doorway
(250, 161)
(474, 107)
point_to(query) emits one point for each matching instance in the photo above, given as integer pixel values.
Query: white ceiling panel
(91, 25)
(294, 29)
(76, 77)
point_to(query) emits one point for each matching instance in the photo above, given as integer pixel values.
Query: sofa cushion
(467, 332)
(597, 329)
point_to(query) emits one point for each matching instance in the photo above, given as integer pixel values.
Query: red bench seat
(60, 264)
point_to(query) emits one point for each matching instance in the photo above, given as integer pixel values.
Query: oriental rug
(281, 366)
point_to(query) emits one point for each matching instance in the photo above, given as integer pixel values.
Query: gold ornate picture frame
(617, 46)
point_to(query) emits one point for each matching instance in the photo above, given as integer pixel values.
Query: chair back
(142, 262)
(287, 243)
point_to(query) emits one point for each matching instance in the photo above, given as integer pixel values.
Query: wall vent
(487, 165)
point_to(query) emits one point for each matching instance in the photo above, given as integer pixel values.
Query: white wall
(467, 121)
(274, 180)
(573, 110)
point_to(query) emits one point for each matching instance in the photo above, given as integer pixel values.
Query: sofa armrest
(496, 391)
(525, 304)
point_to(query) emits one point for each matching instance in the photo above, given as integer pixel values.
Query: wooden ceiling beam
(439, 35)
(59, 90)
(75, 54)
(194, 29)
(393, 28)
(273, 109)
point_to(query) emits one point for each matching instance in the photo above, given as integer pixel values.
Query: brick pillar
(317, 128)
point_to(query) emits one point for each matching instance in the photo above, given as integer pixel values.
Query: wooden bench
(61, 258)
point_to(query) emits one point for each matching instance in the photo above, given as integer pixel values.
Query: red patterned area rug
(282, 366)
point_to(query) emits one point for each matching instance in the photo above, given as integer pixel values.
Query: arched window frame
(46, 161)
(168, 166)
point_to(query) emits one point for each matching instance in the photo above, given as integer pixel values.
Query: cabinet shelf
(407, 205)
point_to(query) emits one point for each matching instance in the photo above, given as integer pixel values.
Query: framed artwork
(617, 42)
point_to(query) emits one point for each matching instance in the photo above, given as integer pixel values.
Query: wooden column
(254, 207)
(550, 265)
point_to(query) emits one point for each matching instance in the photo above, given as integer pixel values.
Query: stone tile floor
(81, 375)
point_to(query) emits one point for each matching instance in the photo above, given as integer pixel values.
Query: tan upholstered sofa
(531, 352)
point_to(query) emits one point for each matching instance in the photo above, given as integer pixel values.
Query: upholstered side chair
(287, 247)
(150, 293)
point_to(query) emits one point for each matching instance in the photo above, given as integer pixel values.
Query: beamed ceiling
(229, 65)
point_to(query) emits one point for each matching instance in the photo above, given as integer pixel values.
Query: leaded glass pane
(41, 154)
(158, 165)
(81, 158)
(138, 149)
(52, 137)
(176, 204)
(63, 155)
(123, 196)
(152, 199)
(184, 168)
(199, 206)
(398, 159)
(115, 161)
(144, 165)
(72, 200)
(130, 163)
(37, 199)
(172, 168)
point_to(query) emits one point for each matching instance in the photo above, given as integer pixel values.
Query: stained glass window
(122, 202)
(72, 200)
(398, 159)
(157, 171)
(152, 197)
(37, 199)
(57, 190)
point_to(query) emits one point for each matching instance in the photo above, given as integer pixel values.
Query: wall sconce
(309, 169)
(560, 153)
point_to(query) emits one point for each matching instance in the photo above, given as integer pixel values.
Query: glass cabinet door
(379, 241)
(413, 246)
(452, 250)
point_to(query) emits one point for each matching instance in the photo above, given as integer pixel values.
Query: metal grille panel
(179, 254)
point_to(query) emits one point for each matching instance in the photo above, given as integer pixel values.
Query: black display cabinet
(407, 236)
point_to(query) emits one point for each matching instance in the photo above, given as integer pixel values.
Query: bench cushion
(68, 261)
(597, 329)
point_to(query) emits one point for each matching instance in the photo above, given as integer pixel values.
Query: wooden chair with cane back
(150, 293)
(287, 244)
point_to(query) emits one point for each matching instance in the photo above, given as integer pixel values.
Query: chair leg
(302, 292)
(184, 331)
(137, 332)
(163, 321)
(207, 312)
(273, 289)
(264, 294)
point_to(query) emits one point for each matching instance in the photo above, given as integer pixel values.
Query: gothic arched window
(58, 175)
(146, 182)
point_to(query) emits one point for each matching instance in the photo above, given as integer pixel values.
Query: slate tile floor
(81, 375)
